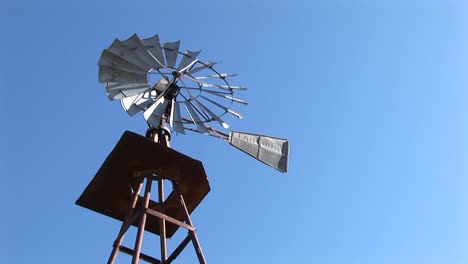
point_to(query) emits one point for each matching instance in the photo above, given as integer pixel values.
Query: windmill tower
(176, 93)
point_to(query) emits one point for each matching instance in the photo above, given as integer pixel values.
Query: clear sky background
(371, 94)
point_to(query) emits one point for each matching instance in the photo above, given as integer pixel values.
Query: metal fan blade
(128, 104)
(213, 115)
(235, 87)
(272, 151)
(176, 118)
(205, 65)
(137, 103)
(224, 87)
(188, 58)
(196, 119)
(134, 43)
(155, 112)
(171, 49)
(238, 115)
(119, 90)
(213, 132)
(227, 97)
(109, 59)
(108, 74)
(154, 47)
(121, 50)
(221, 75)
(161, 85)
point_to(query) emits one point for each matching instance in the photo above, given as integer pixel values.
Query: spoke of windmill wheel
(202, 112)
(154, 48)
(176, 118)
(121, 50)
(171, 49)
(213, 132)
(192, 88)
(227, 97)
(204, 65)
(221, 76)
(155, 112)
(159, 73)
(188, 59)
(238, 115)
(134, 43)
(204, 83)
(196, 119)
(213, 115)
(223, 87)
(217, 92)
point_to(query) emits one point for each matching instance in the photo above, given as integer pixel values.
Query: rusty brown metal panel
(110, 191)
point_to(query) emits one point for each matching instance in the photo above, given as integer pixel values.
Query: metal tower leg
(141, 213)
(129, 218)
(162, 222)
(141, 226)
(192, 234)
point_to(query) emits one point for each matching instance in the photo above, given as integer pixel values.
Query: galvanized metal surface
(270, 150)
(127, 67)
(138, 72)
(171, 49)
(154, 113)
(188, 59)
(153, 45)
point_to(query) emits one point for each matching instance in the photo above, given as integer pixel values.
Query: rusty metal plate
(110, 191)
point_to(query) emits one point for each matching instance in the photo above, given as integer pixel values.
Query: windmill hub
(176, 74)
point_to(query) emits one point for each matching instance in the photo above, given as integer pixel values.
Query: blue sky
(371, 94)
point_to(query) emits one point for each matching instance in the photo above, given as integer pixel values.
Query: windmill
(176, 93)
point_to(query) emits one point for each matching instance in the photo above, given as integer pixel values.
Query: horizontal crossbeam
(169, 219)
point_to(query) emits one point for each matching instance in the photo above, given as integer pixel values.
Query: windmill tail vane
(175, 88)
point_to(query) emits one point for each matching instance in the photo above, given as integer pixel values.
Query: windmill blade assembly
(175, 90)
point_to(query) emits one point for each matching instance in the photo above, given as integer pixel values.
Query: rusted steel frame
(129, 218)
(193, 235)
(152, 173)
(178, 250)
(143, 256)
(162, 222)
(170, 219)
(127, 226)
(141, 226)
(131, 215)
